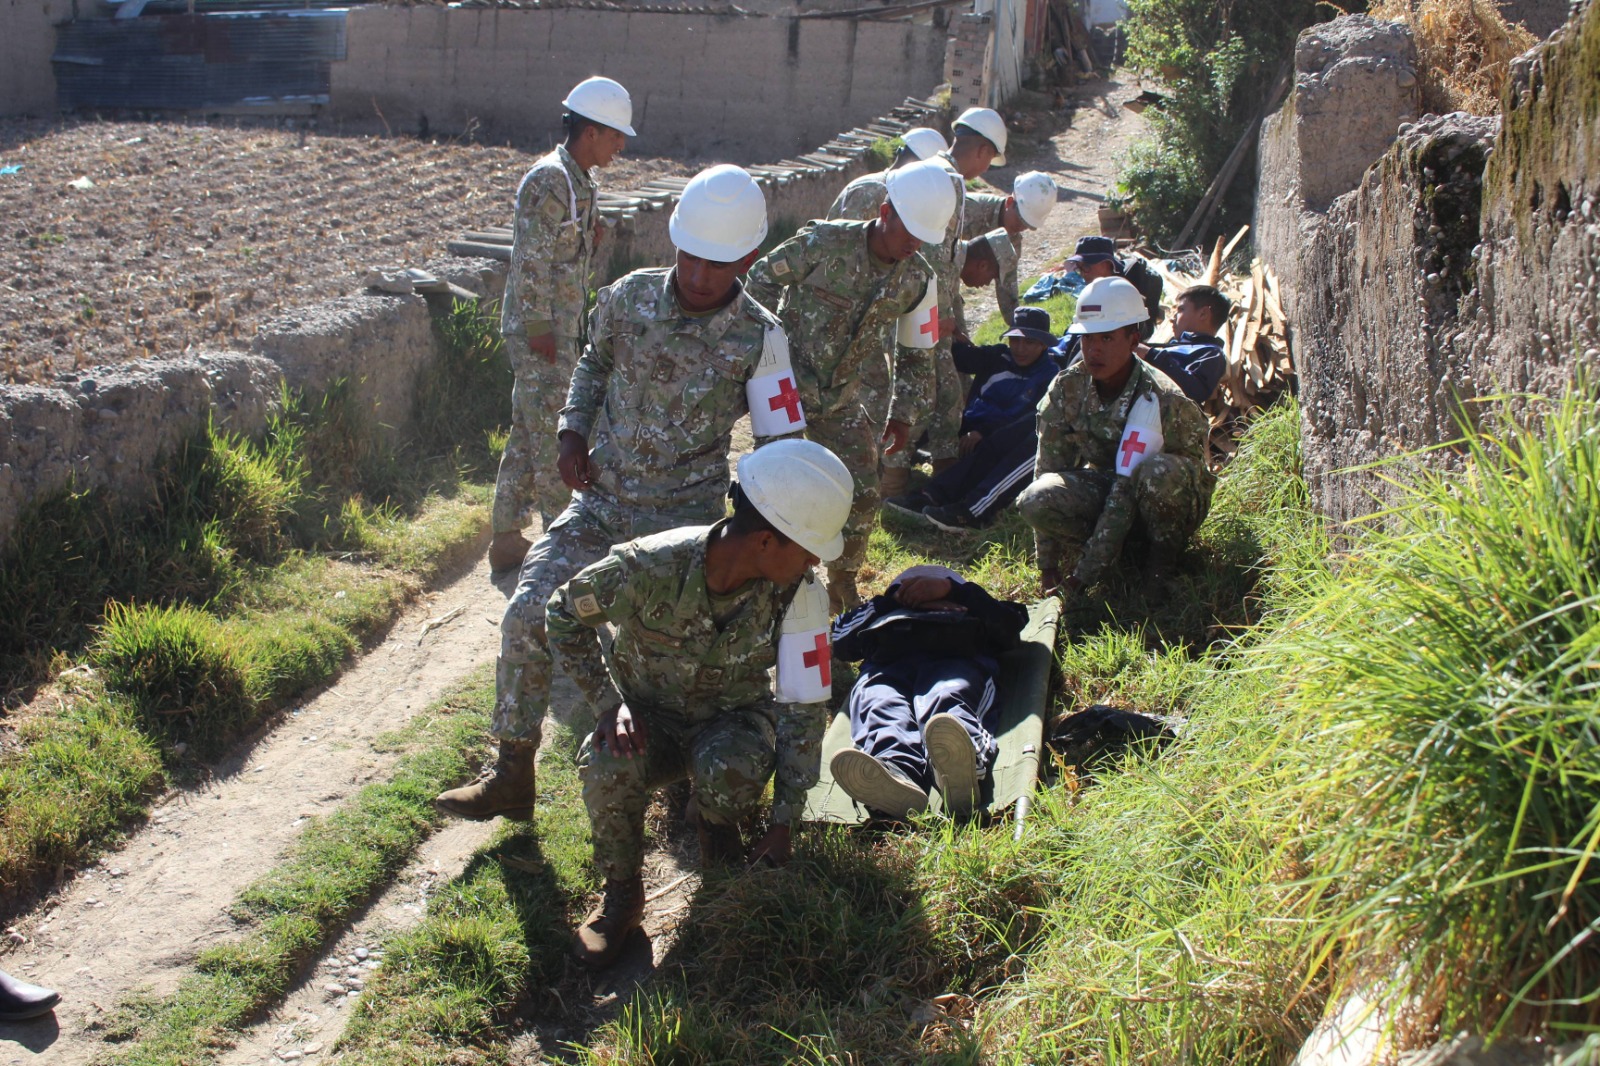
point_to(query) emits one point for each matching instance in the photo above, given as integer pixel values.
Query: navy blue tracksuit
(1194, 361)
(918, 663)
(1000, 405)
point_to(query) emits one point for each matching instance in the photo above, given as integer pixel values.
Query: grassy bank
(149, 636)
(338, 865)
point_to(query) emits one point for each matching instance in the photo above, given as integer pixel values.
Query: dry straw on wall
(1466, 48)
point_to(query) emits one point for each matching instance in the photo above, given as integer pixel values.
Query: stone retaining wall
(1461, 260)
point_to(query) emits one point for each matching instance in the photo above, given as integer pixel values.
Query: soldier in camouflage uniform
(541, 315)
(662, 380)
(988, 260)
(698, 613)
(970, 155)
(839, 289)
(1080, 509)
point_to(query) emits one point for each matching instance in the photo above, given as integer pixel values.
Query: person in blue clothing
(1194, 359)
(997, 443)
(923, 710)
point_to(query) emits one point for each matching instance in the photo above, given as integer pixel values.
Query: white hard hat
(604, 101)
(987, 122)
(924, 196)
(803, 490)
(924, 143)
(1036, 197)
(721, 215)
(1106, 304)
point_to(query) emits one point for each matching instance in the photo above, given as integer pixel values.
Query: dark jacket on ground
(881, 630)
(1002, 392)
(1194, 361)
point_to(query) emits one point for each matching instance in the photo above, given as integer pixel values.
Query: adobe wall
(27, 40)
(1464, 262)
(724, 87)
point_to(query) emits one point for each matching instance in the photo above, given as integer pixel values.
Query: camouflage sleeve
(800, 730)
(1055, 453)
(1105, 543)
(1184, 428)
(859, 203)
(587, 391)
(776, 271)
(981, 213)
(529, 307)
(1005, 292)
(598, 594)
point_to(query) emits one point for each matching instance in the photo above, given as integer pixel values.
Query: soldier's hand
(775, 847)
(577, 473)
(620, 732)
(947, 326)
(917, 591)
(898, 434)
(544, 346)
(969, 441)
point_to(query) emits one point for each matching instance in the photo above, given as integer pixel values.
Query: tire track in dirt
(139, 917)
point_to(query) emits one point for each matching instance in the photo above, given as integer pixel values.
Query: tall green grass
(1452, 686)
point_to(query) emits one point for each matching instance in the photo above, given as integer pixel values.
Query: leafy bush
(1457, 754)
(1219, 60)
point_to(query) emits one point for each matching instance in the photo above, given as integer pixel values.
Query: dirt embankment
(189, 236)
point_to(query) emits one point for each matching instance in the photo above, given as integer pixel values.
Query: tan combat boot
(842, 593)
(504, 789)
(720, 844)
(507, 550)
(894, 482)
(599, 939)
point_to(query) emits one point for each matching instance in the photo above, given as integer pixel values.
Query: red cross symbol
(931, 327)
(821, 658)
(787, 400)
(1131, 444)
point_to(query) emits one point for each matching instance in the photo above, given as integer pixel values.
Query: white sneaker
(876, 785)
(955, 763)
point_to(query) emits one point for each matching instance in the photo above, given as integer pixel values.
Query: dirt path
(1082, 157)
(140, 916)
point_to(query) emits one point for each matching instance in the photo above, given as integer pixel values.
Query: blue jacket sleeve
(1196, 372)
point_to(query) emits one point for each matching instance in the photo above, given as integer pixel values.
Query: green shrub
(172, 662)
(1457, 723)
(1219, 60)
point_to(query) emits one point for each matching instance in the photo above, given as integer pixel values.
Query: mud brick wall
(715, 87)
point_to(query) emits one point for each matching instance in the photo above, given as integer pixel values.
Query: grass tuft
(171, 662)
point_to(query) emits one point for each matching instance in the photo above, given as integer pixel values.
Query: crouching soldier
(1121, 450)
(700, 614)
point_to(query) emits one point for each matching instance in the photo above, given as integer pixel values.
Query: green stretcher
(1023, 695)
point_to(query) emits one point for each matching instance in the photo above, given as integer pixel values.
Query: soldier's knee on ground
(1054, 497)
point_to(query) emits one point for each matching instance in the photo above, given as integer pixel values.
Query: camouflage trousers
(1083, 517)
(528, 476)
(581, 535)
(852, 436)
(728, 758)
(944, 417)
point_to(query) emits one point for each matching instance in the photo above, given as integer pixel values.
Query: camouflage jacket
(553, 242)
(665, 389)
(860, 200)
(669, 654)
(1076, 429)
(839, 305)
(1006, 249)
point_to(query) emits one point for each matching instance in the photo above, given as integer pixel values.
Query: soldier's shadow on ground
(835, 954)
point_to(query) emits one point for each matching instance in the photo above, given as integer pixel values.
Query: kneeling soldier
(701, 615)
(1121, 450)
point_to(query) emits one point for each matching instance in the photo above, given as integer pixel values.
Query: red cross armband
(1141, 434)
(774, 400)
(805, 654)
(919, 327)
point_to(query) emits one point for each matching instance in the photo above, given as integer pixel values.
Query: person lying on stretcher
(923, 711)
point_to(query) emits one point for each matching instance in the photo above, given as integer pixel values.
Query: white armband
(805, 654)
(774, 401)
